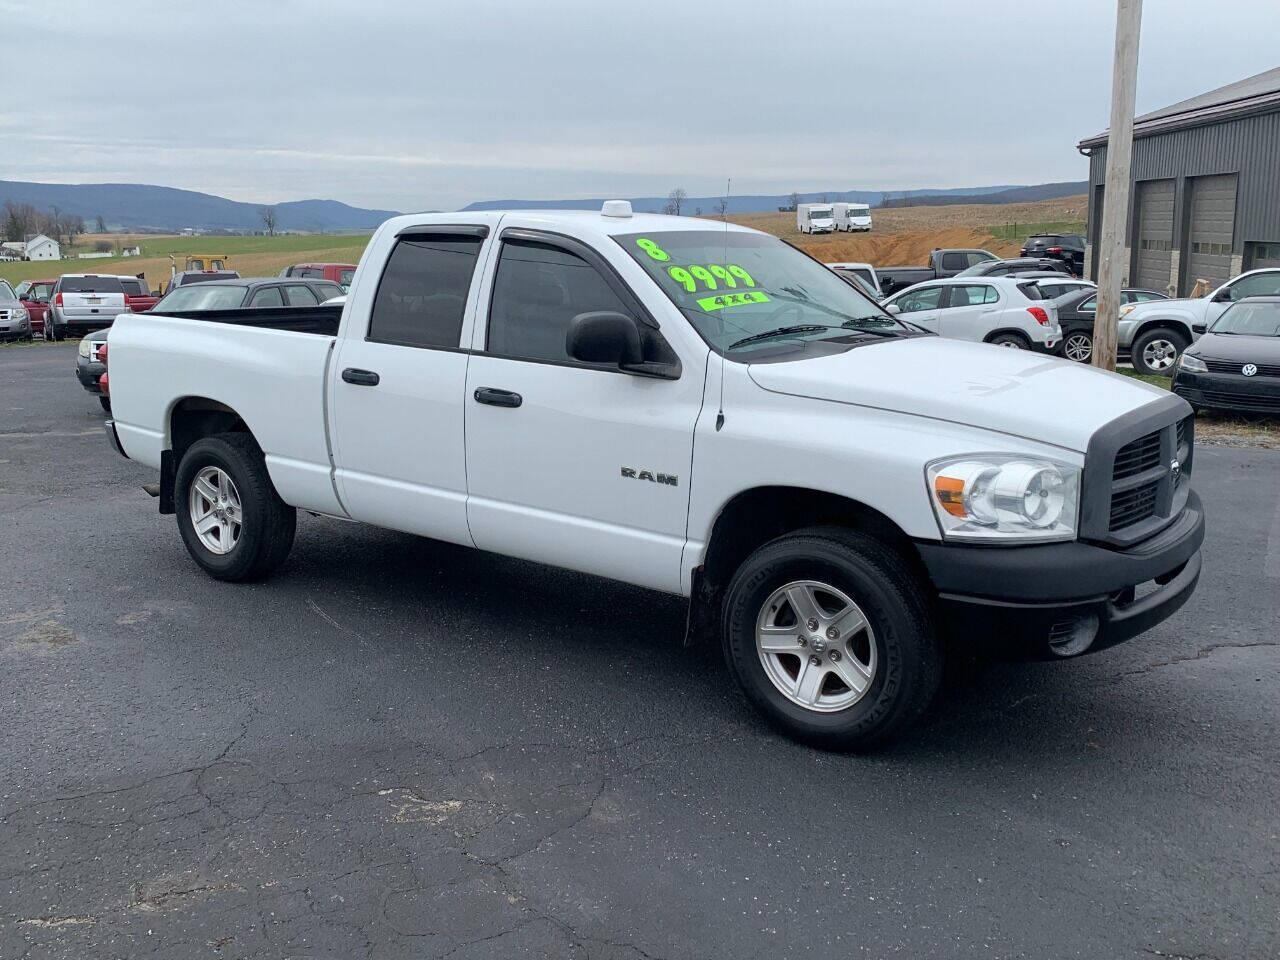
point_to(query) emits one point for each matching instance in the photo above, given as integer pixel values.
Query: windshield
(820, 213)
(6, 291)
(203, 296)
(733, 285)
(1250, 320)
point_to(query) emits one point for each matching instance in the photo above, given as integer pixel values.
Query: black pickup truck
(942, 263)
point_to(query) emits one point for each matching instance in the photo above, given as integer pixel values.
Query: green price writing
(710, 304)
(711, 276)
(653, 250)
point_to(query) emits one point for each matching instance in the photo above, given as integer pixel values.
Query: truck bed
(320, 320)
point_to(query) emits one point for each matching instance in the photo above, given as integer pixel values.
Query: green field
(251, 256)
(1017, 232)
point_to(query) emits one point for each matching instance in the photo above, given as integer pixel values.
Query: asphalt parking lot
(398, 748)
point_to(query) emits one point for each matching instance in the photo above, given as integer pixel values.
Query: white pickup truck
(693, 407)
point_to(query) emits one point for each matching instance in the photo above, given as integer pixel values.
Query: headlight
(1192, 364)
(1126, 310)
(19, 313)
(86, 345)
(997, 497)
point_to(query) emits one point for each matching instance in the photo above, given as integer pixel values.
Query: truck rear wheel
(830, 636)
(232, 520)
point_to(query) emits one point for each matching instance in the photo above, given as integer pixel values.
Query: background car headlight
(1192, 364)
(86, 345)
(1127, 309)
(19, 313)
(997, 497)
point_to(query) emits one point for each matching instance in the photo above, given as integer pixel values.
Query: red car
(34, 295)
(339, 273)
(137, 296)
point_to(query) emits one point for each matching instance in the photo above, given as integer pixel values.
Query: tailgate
(92, 304)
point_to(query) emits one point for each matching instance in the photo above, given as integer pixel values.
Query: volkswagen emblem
(1249, 369)
(1175, 471)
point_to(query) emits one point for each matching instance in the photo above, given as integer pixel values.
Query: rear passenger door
(397, 386)
(300, 295)
(967, 316)
(580, 465)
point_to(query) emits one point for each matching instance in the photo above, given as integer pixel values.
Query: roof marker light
(616, 208)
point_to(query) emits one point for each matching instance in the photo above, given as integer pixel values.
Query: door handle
(361, 378)
(497, 398)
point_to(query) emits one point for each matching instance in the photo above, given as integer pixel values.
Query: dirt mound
(909, 248)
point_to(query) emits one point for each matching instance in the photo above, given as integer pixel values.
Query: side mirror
(1223, 295)
(604, 336)
(894, 309)
(1199, 327)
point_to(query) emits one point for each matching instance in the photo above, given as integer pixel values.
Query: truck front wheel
(830, 636)
(232, 520)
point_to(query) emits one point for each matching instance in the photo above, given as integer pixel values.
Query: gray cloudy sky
(424, 104)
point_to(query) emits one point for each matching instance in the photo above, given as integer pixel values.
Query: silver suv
(83, 302)
(14, 322)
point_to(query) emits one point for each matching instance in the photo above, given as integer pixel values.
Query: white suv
(1005, 311)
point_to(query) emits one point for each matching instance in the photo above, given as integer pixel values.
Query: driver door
(923, 306)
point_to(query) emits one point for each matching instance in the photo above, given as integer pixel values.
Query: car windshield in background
(734, 285)
(345, 278)
(90, 285)
(133, 288)
(6, 291)
(203, 296)
(1250, 320)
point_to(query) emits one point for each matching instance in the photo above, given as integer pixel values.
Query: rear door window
(327, 291)
(422, 296)
(300, 296)
(267, 297)
(973, 295)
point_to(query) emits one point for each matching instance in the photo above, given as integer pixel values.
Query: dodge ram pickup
(688, 406)
(942, 264)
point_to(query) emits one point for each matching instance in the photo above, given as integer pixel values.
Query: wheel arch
(1002, 331)
(753, 517)
(189, 419)
(1176, 324)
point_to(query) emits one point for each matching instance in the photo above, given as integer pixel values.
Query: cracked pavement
(342, 763)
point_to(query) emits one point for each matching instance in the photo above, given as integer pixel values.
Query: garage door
(1212, 227)
(1261, 255)
(1154, 208)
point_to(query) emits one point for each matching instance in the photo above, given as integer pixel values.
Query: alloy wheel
(1079, 348)
(216, 514)
(816, 645)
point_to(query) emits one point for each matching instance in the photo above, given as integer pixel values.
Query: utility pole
(1115, 195)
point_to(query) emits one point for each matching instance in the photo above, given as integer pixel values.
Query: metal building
(1206, 194)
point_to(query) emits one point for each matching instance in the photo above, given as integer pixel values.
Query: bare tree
(20, 220)
(675, 200)
(101, 224)
(268, 215)
(794, 199)
(102, 246)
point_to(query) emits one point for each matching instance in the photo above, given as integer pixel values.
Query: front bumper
(1228, 391)
(88, 372)
(1032, 598)
(15, 328)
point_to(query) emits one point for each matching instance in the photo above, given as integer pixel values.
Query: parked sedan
(1235, 365)
(1014, 267)
(997, 310)
(248, 292)
(89, 365)
(1076, 313)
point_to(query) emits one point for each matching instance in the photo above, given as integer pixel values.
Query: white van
(852, 216)
(815, 218)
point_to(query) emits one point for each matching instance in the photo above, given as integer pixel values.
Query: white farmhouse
(41, 247)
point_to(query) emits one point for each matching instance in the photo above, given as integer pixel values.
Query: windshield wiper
(780, 332)
(875, 332)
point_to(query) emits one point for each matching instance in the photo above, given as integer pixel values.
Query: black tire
(267, 523)
(106, 403)
(1154, 338)
(1013, 340)
(897, 606)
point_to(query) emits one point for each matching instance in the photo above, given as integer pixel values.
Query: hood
(1192, 308)
(1017, 392)
(1237, 348)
